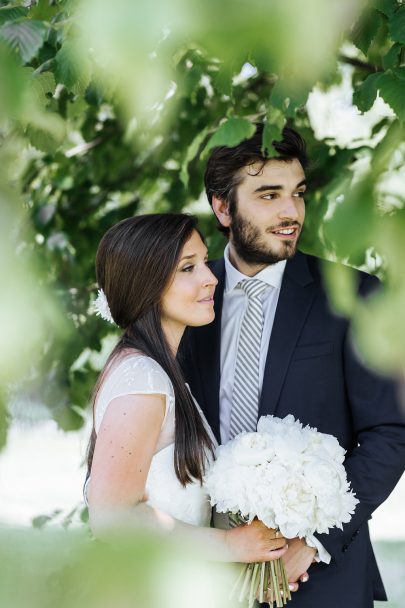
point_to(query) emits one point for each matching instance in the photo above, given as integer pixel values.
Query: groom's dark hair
(223, 175)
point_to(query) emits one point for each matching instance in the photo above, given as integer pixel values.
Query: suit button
(345, 548)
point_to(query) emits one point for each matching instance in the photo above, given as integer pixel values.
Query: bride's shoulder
(132, 359)
(134, 368)
(132, 373)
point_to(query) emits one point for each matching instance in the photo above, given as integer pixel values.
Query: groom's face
(268, 211)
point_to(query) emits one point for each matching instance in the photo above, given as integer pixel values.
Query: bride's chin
(205, 320)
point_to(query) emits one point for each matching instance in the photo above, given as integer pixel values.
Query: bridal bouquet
(291, 478)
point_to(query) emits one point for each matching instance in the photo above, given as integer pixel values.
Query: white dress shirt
(234, 305)
(233, 308)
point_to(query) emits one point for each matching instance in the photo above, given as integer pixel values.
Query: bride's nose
(209, 278)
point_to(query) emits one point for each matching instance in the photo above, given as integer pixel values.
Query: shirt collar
(272, 274)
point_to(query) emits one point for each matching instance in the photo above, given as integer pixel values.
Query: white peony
(252, 448)
(288, 476)
(274, 425)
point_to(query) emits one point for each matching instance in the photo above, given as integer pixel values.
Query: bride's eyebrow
(188, 257)
(192, 255)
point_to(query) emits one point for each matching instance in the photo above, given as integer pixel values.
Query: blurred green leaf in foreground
(47, 568)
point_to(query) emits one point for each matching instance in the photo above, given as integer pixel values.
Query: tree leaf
(42, 140)
(392, 91)
(341, 284)
(364, 96)
(352, 223)
(365, 29)
(72, 70)
(46, 82)
(387, 7)
(230, 134)
(25, 38)
(397, 25)
(222, 79)
(4, 419)
(191, 153)
(287, 99)
(391, 59)
(41, 520)
(8, 14)
(42, 84)
(399, 73)
(271, 132)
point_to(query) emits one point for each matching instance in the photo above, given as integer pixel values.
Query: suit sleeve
(376, 464)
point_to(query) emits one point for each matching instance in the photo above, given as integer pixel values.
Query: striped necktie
(245, 395)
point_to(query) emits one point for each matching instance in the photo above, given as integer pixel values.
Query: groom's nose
(289, 209)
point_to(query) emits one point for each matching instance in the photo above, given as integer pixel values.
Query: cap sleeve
(135, 375)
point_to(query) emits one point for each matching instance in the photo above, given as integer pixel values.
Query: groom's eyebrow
(266, 187)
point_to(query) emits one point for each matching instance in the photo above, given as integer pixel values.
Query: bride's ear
(221, 210)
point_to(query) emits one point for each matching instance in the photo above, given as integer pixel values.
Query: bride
(150, 442)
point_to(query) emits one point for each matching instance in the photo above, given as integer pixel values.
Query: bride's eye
(187, 268)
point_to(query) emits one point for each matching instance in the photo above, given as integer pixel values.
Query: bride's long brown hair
(135, 263)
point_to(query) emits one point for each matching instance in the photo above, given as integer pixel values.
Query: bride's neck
(173, 333)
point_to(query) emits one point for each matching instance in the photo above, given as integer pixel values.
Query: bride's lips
(207, 300)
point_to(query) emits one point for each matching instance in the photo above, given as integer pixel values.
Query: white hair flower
(101, 307)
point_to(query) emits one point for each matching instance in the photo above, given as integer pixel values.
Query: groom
(276, 347)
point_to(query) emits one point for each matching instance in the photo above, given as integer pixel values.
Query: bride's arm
(126, 443)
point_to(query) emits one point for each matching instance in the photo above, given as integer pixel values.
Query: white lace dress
(139, 374)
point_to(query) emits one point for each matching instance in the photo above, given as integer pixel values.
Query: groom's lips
(286, 232)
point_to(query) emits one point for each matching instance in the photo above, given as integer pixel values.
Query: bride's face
(189, 299)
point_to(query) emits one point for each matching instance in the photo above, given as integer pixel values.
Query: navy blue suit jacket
(313, 372)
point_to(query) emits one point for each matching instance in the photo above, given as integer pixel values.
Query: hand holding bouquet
(289, 477)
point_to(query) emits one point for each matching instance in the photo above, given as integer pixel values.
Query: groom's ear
(221, 210)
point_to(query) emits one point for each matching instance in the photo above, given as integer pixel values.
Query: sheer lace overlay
(139, 374)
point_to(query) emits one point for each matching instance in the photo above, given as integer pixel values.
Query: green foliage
(24, 37)
(10, 14)
(72, 70)
(43, 568)
(397, 25)
(110, 109)
(366, 93)
(366, 29)
(230, 133)
(3, 419)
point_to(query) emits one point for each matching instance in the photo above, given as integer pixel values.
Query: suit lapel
(297, 293)
(208, 346)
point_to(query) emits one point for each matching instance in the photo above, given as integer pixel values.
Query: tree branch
(358, 63)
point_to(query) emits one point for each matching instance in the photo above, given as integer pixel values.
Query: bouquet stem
(254, 580)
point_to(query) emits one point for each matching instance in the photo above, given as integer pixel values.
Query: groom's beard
(249, 245)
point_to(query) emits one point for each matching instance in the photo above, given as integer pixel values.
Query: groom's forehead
(273, 171)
